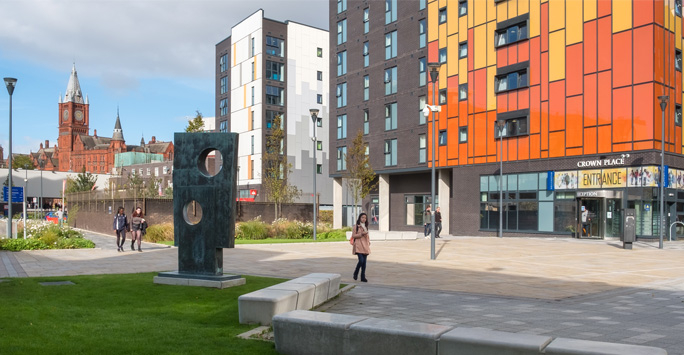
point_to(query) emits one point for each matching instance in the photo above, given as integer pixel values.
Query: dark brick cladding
(408, 92)
(222, 48)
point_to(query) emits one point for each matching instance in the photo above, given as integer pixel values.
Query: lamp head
(10, 83)
(663, 101)
(434, 71)
(314, 113)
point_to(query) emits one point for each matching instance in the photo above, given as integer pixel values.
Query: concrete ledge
(410, 235)
(467, 341)
(382, 336)
(260, 306)
(178, 281)
(305, 332)
(305, 293)
(566, 346)
(321, 284)
(335, 279)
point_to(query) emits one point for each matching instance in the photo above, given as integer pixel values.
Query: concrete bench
(301, 293)
(306, 332)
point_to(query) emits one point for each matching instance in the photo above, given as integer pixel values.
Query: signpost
(17, 194)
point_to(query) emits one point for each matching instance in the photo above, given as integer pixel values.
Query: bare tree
(359, 177)
(276, 169)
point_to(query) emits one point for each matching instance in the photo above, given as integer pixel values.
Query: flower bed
(44, 235)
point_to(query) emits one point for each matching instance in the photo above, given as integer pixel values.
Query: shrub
(325, 216)
(159, 232)
(254, 229)
(49, 237)
(74, 243)
(45, 235)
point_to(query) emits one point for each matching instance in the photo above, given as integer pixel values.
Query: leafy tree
(22, 162)
(276, 169)
(152, 186)
(359, 177)
(196, 124)
(135, 182)
(84, 181)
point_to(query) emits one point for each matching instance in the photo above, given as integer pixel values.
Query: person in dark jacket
(438, 222)
(120, 226)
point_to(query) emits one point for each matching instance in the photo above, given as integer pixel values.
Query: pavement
(560, 287)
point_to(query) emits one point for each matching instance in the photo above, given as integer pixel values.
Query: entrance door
(590, 227)
(613, 218)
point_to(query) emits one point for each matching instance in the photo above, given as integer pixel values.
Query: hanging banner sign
(606, 178)
(565, 180)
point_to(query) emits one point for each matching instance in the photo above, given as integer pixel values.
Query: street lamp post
(501, 124)
(10, 83)
(25, 196)
(316, 121)
(663, 105)
(434, 75)
(41, 163)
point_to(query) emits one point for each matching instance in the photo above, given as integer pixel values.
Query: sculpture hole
(210, 162)
(192, 212)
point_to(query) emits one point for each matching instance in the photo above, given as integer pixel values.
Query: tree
(22, 162)
(360, 177)
(84, 181)
(196, 124)
(276, 169)
(152, 186)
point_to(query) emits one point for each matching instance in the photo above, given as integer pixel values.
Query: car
(52, 217)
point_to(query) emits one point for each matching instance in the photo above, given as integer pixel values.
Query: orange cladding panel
(658, 11)
(643, 112)
(556, 144)
(622, 147)
(535, 110)
(590, 39)
(502, 102)
(471, 80)
(511, 150)
(512, 54)
(604, 98)
(452, 142)
(643, 59)
(643, 145)
(590, 100)
(545, 125)
(545, 76)
(557, 105)
(622, 59)
(523, 51)
(573, 71)
(535, 61)
(544, 27)
(523, 148)
(604, 43)
(622, 115)
(489, 135)
(480, 135)
(658, 54)
(604, 144)
(590, 140)
(463, 113)
(643, 13)
(452, 94)
(604, 8)
(523, 98)
(534, 146)
(573, 151)
(574, 121)
(513, 100)
(480, 92)
(433, 52)
(501, 57)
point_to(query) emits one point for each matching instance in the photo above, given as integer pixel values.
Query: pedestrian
(361, 242)
(120, 226)
(60, 216)
(427, 221)
(438, 222)
(137, 220)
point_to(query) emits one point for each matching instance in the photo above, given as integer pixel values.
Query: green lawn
(276, 241)
(123, 314)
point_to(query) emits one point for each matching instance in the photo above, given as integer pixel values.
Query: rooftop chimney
(95, 133)
(47, 143)
(153, 140)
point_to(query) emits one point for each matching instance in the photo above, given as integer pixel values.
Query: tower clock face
(79, 115)
(65, 115)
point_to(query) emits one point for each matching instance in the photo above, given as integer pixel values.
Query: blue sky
(154, 59)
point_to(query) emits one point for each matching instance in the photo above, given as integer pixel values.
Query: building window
(390, 45)
(422, 71)
(341, 63)
(366, 122)
(319, 75)
(421, 4)
(274, 70)
(274, 46)
(442, 15)
(319, 98)
(341, 158)
(678, 115)
(341, 6)
(421, 106)
(463, 50)
(253, 53)
(341, 126)
(511, 34)
(319, 145)
(271, 116)
(442, 137)
(252, 95)
(252, 149)
(391, 152)
(319, 52)
(462, 134)
(366, 21)
(366, 87)
(319, 169)
(342, 32)
(678, 60)
(274, 95)
(422, 33)
(442, 97)
(463, 92)
(223, 105)
(462, 8)
(678, 7)
(366, 149)
(510, 81)
(422, 148)
(341, 95)
(391, 81)
(515, 124)
(223, 63)
(442, 55)
(415, 208)
(223, 126)
(224, 85)
(391, 116)
(390, 11)
(366, 57)
(251, 115)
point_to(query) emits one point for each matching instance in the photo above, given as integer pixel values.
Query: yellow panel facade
(501, 12)
(480, 12)
(480, 46)
(557, 15)
(575, 25)
(557, 55)
(452, 17)
(442, 81)
(589, 10)
(452, 55)
(442, 35)
(470, 14)
(523, 6)
(535, 18)
(678, 32)
(442, 3)
(249, 120)
(512, 8)
(463, 69)
(432, 19)
(491, 10)
(463, 26)
(670, 11)
(491, 97)
(491, 52)
(622, 15)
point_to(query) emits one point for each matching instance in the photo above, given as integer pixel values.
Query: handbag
(351, 240)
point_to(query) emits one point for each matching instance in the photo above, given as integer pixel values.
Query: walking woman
(120, 226)
(137, 221)
(361, 243)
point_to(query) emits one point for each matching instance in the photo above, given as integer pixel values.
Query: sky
(153, 60)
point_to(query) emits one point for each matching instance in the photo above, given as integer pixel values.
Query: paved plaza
(583, 289)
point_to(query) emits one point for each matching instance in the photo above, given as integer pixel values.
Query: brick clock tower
(73, 119)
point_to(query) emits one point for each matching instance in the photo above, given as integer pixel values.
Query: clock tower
(73, 118)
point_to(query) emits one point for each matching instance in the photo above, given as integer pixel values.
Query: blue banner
(17, 194)
(550, 178)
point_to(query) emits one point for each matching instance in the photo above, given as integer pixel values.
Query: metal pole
(9, 172)
(501, 182)
(314, 178)
(41, 192)
(432, 179)
(661, 183)
(25, 196)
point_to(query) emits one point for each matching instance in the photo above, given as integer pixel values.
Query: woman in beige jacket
(361, 245)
